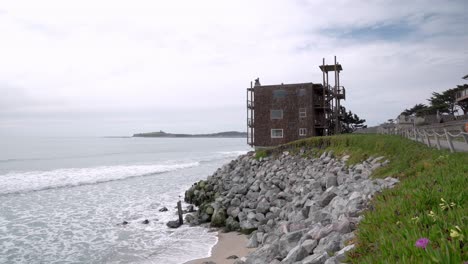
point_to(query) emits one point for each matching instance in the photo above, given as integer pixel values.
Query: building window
(302, 92)
(279, 93)
(302, 131)
(276, 114)
(277, 133)
(302, 112)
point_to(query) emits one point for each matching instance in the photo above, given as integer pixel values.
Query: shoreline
(232, 243)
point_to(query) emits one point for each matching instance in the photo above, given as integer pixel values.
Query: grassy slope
(400, 216)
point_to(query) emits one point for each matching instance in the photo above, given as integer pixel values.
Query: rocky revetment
(297, 208)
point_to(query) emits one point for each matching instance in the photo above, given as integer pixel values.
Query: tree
(419, 110)
(463, 105)
(444, 102)
(350, 122)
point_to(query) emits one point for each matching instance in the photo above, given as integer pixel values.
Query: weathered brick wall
(290, 104)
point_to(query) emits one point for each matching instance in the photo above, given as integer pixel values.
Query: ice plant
(422, 242)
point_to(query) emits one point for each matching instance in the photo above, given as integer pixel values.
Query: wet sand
(229, 244)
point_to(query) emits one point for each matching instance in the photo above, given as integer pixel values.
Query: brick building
(277, 114)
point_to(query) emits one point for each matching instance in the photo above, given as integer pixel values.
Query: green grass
(400, 216)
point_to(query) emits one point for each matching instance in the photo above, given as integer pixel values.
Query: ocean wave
(21, 182)
(233, 153)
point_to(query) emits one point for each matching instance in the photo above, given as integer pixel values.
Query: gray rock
(231, 224)
(318, 232)
(326, 197)
(343, 226)
(253, 243)
(309, 245)
(247, 225)
(329, 244)
(259, 217)
(295, 254)
(289, 241)
(262, 255)
(235, 202)
(173, 224)
(331, 181)
(341, 255)
(263, 206)
(319, 258)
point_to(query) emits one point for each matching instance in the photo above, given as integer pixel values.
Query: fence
(428, 136)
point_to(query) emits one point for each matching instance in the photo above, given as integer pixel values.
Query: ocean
(62, 200)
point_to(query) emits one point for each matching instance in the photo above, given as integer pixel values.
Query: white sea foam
(233, 153)
(15, 182)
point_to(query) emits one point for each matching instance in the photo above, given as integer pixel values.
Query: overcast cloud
(121, 67)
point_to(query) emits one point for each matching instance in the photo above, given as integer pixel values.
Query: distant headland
(227, 134)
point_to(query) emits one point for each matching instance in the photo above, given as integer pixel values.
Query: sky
(114, 68)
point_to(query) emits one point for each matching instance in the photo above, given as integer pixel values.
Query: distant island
(228, 134)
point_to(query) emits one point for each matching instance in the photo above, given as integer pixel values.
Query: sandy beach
(229, 244)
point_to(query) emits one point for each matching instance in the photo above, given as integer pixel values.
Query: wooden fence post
(449, 141)
(179, 211)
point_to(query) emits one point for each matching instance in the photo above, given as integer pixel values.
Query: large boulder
(218, 219)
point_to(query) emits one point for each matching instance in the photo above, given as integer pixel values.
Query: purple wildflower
(422, 242)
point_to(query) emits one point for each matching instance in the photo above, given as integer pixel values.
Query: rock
(190, 209)
(309, 245)
(235, 202)
(208, 262)
(164, 209)
(259, 217)
(343, 226)
(263, 255)
(263, 206)
(289, 241)
(209, 210)
(173, 224)
(218, 219)
(326, 197)
(231, 224)
(190, 219)
(331, 181)
(232, 257)
(253, 243)
(124, 223)
(145, 222)
(329, 244)
(341, 255)
(295, 254)
(315, 259)
(297, 209)
(247, 225)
